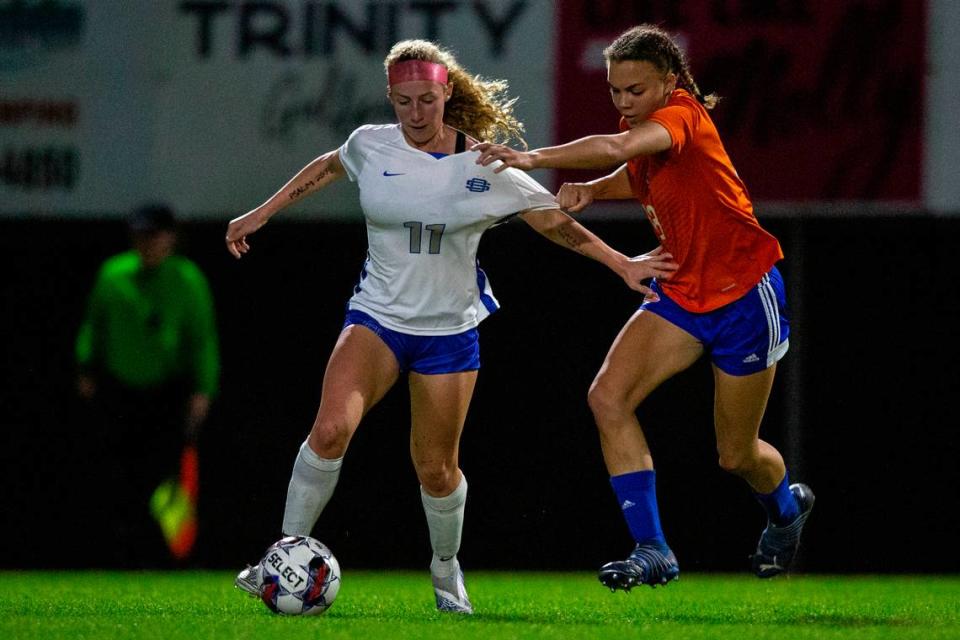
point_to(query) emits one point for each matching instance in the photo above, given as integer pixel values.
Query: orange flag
(174, 505)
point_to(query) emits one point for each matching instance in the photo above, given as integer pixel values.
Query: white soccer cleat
(250, 580)
(450, 591)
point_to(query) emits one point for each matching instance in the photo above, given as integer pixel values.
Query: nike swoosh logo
(388, 174)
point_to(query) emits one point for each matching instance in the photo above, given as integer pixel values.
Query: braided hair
(478, 107)
(656, 46)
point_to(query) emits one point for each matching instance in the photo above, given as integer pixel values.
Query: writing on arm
(316, 175)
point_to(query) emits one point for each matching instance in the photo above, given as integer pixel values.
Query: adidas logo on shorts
(751, 358)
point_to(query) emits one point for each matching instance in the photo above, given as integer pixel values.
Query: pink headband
(410, 70)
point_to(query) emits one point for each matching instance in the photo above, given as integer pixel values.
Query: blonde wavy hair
(479, 107)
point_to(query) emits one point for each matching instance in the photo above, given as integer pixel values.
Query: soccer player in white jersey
(421, 293)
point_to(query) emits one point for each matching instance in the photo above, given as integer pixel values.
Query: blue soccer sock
(780, 504)
(637, 495)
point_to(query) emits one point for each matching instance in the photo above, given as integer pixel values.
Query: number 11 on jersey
(416, 233)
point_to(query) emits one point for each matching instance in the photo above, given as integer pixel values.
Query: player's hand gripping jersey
(424, 220)
(700, 211)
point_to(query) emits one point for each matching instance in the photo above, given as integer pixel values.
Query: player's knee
(606, 403)
(437, 478)
(737, 462)
(329, 437)
(600, 400)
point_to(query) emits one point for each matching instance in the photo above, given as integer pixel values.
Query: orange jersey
(700, 210)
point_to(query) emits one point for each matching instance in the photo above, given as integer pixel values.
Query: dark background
(871, 376)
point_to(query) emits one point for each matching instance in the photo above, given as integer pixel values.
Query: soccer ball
(299, 576)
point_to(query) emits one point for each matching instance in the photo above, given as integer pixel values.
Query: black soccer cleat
(647, 564)
(778, 545)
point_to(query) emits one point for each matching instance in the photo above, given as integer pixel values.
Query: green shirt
(147, 327)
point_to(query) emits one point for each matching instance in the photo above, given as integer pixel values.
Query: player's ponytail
(656, 46)
(479, 107)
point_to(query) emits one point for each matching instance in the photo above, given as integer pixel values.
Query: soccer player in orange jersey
(726, 299)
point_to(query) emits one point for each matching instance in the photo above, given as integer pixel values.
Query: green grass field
(197, 605)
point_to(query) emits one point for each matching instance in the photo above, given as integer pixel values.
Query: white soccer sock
(311, 485)
(445, 521)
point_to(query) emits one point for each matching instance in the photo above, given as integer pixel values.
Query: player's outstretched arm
(567, 232)
(592, 152)
(318, 174)
(574, 197)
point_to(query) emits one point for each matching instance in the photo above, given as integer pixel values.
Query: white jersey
(424, 220)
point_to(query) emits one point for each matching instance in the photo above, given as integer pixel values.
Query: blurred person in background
(148, 365)
(421, 293)
(725, 300)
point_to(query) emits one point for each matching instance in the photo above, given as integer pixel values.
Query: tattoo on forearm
(302, 189)
(573, 240)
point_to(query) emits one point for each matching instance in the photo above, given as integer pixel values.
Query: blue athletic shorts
(743, 337)
(425, 354)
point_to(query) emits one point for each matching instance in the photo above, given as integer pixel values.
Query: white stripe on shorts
(768, 298)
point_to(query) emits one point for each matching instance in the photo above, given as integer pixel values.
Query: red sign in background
(821, 99)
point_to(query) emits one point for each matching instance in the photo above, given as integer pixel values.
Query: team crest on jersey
(478, 185)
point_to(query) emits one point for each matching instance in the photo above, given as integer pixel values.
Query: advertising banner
(210, 105)
(819, 100)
